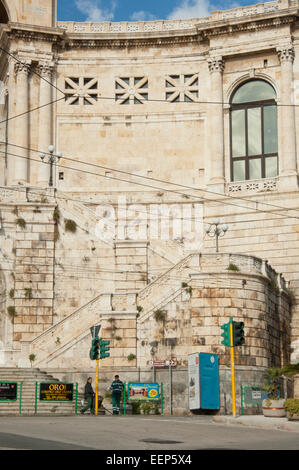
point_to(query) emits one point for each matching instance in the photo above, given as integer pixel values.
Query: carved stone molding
(252, 186)
(216, 64)
(45, 70)
(21, 67)
(286, 53)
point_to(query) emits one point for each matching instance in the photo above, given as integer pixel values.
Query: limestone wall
(191, 321)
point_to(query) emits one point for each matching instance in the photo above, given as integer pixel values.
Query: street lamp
(216, 230)
(51, 160)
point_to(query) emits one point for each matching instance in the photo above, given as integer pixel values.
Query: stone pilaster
(287, 158)
(216, 67)
(45, 120)
(22, 135)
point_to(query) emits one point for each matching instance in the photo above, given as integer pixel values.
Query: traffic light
(104, 348)
(238, 333)
(226, 334)
(94, 351)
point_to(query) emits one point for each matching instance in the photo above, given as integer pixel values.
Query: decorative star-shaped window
(131, 90)
(181, 88)
(81, 90)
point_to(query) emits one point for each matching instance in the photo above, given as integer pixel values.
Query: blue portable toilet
(209, 381)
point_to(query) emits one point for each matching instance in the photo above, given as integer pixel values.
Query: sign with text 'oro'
(56, 391)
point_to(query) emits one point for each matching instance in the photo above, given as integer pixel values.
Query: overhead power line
(201, 198)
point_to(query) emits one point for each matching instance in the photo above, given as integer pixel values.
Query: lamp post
(216, 230)
(52, 159)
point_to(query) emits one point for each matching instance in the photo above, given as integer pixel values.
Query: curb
(279, 424)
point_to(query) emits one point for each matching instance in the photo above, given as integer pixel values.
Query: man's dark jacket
(88, 391)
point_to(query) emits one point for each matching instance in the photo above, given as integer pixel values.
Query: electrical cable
(163, 189)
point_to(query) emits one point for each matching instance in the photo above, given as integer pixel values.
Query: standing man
(89, 396)
(117, 388)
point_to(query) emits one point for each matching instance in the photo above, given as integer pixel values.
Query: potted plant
(291, 405)
(273, 406)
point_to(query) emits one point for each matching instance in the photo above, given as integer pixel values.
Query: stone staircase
(85, 218)
(29, 378)
(76, 327)
(163, 289)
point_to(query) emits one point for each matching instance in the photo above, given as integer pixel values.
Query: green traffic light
(94, 351)
(226, 334)
(104, 348)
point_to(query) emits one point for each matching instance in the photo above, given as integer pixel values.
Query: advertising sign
(8, 391)
(194, 381)
(143, 391)
(56, 392)
(254, 395)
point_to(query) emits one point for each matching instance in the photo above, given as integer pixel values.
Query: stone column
(45, 121)
(216, 67)
(287, 127)
(22, 124)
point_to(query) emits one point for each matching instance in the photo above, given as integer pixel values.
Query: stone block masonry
(34, 271)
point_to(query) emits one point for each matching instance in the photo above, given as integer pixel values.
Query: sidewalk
(259, 421)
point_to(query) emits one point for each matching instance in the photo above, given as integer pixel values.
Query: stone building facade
(188, 119)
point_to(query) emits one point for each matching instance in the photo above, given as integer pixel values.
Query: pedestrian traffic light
(226, 334)
(94, 351)
(104, 348)
(238, 333)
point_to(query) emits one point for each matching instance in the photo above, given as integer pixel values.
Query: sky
(142, 10)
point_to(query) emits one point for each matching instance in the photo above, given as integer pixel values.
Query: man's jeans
(90, 405)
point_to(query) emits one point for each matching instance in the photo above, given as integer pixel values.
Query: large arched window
(253, 131)
(3, 14)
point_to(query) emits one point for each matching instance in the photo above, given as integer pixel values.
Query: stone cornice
(33, 33)
(199, 32)
(252, 24)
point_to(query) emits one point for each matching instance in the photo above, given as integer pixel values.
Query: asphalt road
(113, 433)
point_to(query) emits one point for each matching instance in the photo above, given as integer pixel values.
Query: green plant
(139, 308)
(290, 369)
(32, 358)
(274, 286)
(70, 225)
(184, 284)
(11, 293)
(131, 357)
(159, 315)
(21, 222)
(271, 385)
(146, 407)
(233, 267)
(291, 296)
(11, 310)
(56, 215)
(291, 405)
(57, 342)
(28, 293)
(188, 290)
(136, 407)
(118, 338)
